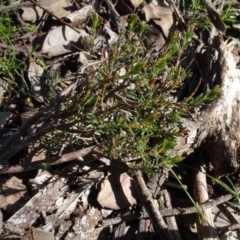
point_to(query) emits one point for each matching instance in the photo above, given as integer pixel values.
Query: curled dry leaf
(31, 14)
(59, 8)
(117, 191)
(61, 40)
(161, 16)
(153, 35)
(136, 3)
(12, 195)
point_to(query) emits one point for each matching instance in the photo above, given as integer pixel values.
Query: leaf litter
(59, 201)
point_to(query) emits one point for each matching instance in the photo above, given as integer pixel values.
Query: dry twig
(150, 206)
(59, 19)
(170, 212)
(205, 223)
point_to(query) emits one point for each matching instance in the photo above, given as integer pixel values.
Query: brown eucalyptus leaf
(37, 234)
(160, 15)
(31, 14)
(117, 191)
(12, 195)
(154, 36)
(136, 3)
(62, 40)
(60, 8)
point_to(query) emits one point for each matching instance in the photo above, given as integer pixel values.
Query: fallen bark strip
(169, 212)
(205, 224)
(151, 207)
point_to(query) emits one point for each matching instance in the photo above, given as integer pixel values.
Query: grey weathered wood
(216, 128)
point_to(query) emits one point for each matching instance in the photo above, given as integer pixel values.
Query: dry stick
(59, 19)
(77, 155)
(205, 223)
(224, 230)
(15, 137)
(171, 221)
(22, 50)
(154, 185)
(169, 212)
(15, 6)
(24, 143)
(150, 206)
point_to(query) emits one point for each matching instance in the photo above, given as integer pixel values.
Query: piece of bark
(205, 223)
(29, 213)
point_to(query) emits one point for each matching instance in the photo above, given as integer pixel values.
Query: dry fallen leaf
(61, 40)
(160, 15)
(60, 8)
(37, 234)
(31, 14)
(12, 195)
(136, 3)
(81, 15)
(117, 191)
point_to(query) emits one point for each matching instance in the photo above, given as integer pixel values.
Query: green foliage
(196, 14)
(12, 62)
(127, 107)
(7, 28)
(31, 26)
(230, 17)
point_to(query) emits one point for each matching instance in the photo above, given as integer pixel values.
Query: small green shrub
(129, 101)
